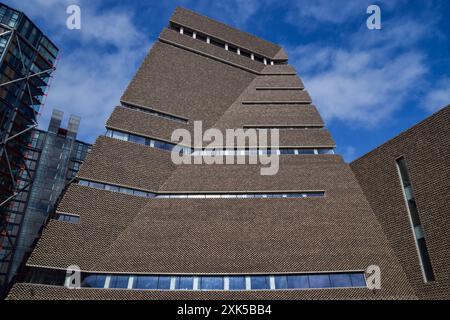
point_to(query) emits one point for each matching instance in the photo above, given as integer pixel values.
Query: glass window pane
(319, 281)
(237, 283)
(94, 281)
(146, 282)
(163, 282)
(96, 185)
(306, 151)
(297, 282)
(340, 280)
(358, 279)
(120, 135)
(137, 139)
(260, 282)
(280, 282)
(428, 269)
(119, 282)
(83, 183)
(185, 283)
(211, 283)
(140, 193)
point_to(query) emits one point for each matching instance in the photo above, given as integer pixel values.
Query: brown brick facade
(426, 149)
(120, 233)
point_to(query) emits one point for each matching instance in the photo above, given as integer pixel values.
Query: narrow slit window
(218, 43)
(411, 206)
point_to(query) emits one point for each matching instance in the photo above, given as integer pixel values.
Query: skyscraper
(148, 228)
(27, 59)
(53, 158)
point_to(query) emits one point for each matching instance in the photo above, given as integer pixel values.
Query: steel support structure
(7, 136)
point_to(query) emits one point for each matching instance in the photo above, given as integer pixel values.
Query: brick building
(149, 229)
(407, 183)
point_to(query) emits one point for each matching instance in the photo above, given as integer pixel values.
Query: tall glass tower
(27, 60)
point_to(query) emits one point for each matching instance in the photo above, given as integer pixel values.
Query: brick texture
(123, 233)
(426, 149)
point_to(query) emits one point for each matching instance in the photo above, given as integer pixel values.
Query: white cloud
(357, 88)
(364, 78)
(348, 153)
(239, 11)
(438, 96)
(92, 75)
(307, 14)
(324, 10)
(234, 12)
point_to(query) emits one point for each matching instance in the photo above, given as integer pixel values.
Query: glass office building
(53, 158)
(27, 60)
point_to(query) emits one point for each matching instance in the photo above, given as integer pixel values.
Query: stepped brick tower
(150, 229)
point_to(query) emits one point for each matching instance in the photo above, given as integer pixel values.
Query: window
(342, 280)
(120, 135)
(236, 283)
(319, 281)
(206, 282)
(280, 282)
(184, 283)
(154, 112)
(298, 282)
(145, 194)
(46, 276)
(260, 282)
(201, 37)
(96, 185)
(246, 54)
(136, 139)
(163, 282)
(69, 218)
(306, 151)
(259, 59)
(232, 49)
(217, 43)
(358, 279)
(211, 283)
(112, 188)
(94, 281)
(411, 206)
(188, 32)
(146, 282)
(119, 282)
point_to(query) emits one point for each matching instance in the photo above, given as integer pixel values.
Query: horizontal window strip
(224, 45)
(207, 282)
(227, 195)
(299, 127)
(153, 143)
(166, 146)
(71, 218)
(153, 112)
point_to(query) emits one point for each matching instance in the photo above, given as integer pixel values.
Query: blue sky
(369, 85)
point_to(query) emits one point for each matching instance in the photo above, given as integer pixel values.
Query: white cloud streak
(92, 75)
(368, 76)
(438, 96)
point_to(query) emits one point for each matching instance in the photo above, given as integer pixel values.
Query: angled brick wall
(426, 149)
